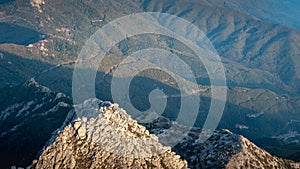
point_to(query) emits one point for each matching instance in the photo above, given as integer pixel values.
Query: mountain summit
(101, 135)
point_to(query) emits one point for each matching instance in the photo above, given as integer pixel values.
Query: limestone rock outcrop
(102, 135)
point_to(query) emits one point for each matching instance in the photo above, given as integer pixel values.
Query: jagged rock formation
(251, 156)
(101, 135)
(29, 113)
(223, 149)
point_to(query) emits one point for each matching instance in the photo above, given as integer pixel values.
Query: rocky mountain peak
(223, 149)
(101, 135)
(33, 83)
(251, 156)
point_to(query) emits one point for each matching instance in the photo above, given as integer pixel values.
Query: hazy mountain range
(258, 42)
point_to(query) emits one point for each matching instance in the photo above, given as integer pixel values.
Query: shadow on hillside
(5, 1)
(10, 33)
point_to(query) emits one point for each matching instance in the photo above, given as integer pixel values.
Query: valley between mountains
(39, 44)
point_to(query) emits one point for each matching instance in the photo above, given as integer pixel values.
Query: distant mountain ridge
(261, 58)
(29, 113)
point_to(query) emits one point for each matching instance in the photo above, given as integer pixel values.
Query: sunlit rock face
(101, 135)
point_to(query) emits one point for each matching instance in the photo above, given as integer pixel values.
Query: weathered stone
(111, 140)
(81, 132)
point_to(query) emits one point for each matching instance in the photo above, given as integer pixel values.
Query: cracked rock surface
(102, 135)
